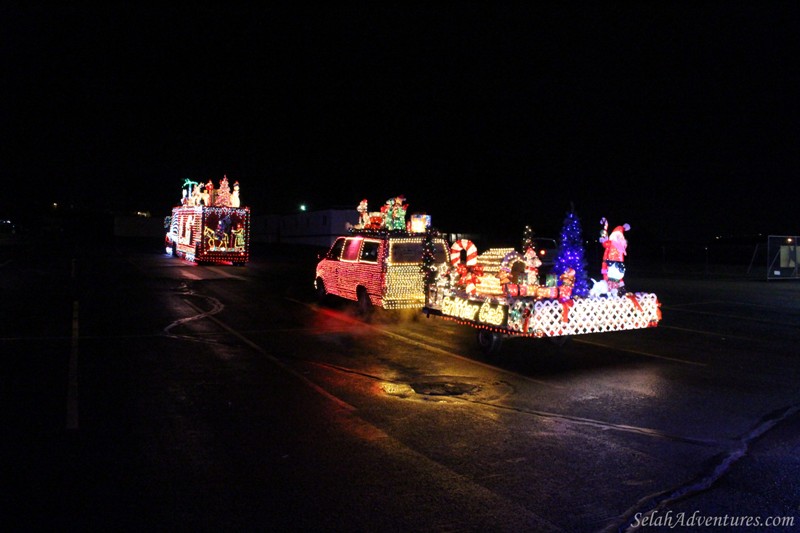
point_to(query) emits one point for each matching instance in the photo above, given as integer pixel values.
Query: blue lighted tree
(571, 253)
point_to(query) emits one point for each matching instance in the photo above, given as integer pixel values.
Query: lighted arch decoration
(510, 259)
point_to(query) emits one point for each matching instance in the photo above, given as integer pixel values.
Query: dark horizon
(679, 120)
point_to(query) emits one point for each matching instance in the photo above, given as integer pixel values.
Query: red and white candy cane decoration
(463, 244)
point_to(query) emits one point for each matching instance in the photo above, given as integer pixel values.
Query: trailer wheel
(489, 342)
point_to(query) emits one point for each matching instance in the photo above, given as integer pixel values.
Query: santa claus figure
(614, 251)
(209, 195)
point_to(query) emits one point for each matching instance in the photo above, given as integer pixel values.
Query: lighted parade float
(210, 225)
(500, 293)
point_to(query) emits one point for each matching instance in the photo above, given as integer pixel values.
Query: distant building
(313, 228)
(139, 224)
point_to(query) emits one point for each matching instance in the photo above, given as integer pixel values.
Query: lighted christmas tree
(223, 198)
(428, 265)
(527, 239)
(571, 253)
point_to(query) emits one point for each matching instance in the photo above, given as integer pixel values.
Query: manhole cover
(445, 388)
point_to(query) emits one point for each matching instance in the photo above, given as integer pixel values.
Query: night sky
(679, 118)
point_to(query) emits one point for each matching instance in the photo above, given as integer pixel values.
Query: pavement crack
(714, 469)
(216, 307)
(603, 425)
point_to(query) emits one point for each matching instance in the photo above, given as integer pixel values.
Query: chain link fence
(782, 257)
(751, 259)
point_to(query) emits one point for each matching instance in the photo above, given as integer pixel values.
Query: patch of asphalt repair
(444, 388)
(459, 387)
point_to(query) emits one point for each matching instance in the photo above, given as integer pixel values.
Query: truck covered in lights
(378, 261)
(499, 294)
(210, 226)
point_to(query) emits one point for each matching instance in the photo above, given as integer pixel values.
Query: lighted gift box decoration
(420, 223)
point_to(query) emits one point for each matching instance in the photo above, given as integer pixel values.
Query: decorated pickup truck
(499, 292)
(210, 225)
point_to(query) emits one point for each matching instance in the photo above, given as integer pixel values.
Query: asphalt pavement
(201, 401)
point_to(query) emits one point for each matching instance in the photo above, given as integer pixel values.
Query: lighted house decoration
(207, 227)
(499, 292)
